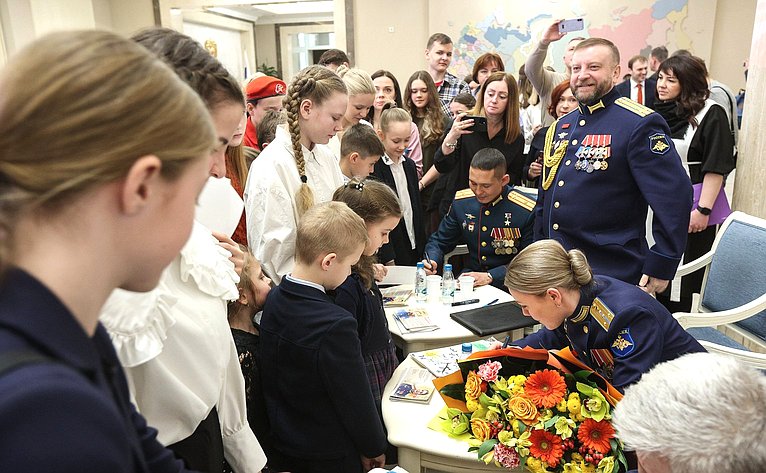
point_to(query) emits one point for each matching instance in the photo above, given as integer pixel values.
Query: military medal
(604, 165)
(597, 165)
(590, 168)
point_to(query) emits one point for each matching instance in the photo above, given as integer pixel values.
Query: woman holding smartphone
(493, 123)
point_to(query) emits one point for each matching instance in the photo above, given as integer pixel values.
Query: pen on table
(490, 303)
(507, 341)
(465, 302)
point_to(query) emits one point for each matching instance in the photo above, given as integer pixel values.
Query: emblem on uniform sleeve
(658, 143)
(623, 345)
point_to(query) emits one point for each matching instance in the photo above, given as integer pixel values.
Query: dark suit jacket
(650, 90)
(399, 248)
(318, 399)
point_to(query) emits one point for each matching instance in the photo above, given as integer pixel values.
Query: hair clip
(357, 186)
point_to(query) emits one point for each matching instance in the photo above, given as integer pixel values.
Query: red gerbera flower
(596, 435)
(546, 446)
(545, 388)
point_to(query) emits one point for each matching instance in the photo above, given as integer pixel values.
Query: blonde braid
(292, 101)
(315, 83)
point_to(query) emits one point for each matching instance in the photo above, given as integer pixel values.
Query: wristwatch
(704, 210)
(451, 145)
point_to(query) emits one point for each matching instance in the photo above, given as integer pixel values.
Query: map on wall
(513, 29)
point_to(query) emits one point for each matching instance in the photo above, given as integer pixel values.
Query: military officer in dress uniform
(492, 218)
(603, 163)
(613, 327)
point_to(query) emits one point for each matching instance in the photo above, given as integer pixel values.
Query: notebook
(493, 319)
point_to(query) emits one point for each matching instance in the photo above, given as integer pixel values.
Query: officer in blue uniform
(493, 219)
(604, 162)
(613, 327)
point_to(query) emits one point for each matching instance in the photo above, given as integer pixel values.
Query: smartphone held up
(575, 24)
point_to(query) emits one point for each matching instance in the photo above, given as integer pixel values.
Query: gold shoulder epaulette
(601, 313)
(633, 106)
(463, 194)
(521, 200)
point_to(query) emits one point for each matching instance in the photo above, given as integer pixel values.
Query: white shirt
(400, 179)
(178, 353)
(270, 208)
(634, 91)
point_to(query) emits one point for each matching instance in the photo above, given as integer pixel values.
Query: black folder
(492, 319)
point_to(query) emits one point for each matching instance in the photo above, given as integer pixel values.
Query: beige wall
(401, 52)
(732, 39)
(265, 45)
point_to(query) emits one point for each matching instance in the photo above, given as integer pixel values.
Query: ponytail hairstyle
(546, 264)
(433, 117)
(373, 201)
(193, 64)
(392, 114)
(315, 83)
(80, 81)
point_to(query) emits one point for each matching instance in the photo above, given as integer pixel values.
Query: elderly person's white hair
(700, 413)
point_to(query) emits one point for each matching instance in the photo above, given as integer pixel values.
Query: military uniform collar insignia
(596, 106)
(584, 310)
(499, 198)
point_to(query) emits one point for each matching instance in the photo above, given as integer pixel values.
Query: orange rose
(473, 386)
(480, 429)
(523, 409)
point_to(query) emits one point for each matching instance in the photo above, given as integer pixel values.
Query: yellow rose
(481, 429)
(473, 386)
(523, 409)
(472, 404)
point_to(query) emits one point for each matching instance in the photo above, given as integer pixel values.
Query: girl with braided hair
(296, 170)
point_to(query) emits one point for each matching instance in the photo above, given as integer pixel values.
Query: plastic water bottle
(420, 282)
(448, 285)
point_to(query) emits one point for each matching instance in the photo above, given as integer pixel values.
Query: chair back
(737, 272)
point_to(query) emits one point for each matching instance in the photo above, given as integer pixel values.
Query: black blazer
(650, 90)
(399, 248)
(317, 394)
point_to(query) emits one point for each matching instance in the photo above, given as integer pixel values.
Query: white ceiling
(264, 11)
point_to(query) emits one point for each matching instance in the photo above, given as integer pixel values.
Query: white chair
(733, 295)
(459, 250)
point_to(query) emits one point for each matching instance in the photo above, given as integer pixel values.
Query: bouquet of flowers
(534, 409)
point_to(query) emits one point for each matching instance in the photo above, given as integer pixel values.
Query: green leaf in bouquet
(455, 391)
(487, 447)
(550, 422)
(487, 401)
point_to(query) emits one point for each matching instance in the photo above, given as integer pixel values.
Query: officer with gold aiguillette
(492, 218)
(604, 164)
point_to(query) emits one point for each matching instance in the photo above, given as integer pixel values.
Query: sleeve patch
(658, 143)
(463, 194)
(623, 345)
(521, 200)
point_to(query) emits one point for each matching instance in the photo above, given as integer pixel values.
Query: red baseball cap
(264, 87)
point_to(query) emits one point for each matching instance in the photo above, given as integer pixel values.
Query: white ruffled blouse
(178, 353)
